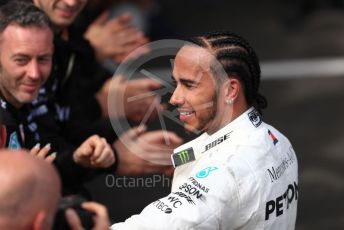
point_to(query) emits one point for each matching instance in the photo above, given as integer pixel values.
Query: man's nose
(33, 70)
(177, 97)
(73, 2)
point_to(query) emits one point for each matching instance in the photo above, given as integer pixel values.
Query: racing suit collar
(250, 118)
(190, 151)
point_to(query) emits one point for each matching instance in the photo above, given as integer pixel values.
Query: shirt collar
(188, 152)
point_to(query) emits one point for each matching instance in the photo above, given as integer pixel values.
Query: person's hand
(135, 98)
(101, 218)
(43, 153)
(115, 38)
(95, 152)
(140, 102)
(142, 152)
(138, 48)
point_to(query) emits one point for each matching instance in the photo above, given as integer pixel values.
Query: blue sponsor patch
(13, 142)
(205, 172)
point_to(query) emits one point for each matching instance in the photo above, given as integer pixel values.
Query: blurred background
(301, 47)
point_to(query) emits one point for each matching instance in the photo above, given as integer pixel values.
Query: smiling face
(25, 62)
(61, 12)
(196, 94)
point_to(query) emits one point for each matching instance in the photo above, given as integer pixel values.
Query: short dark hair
(24, 14)
(238, 59)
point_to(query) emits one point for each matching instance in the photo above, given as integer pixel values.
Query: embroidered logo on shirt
(63, 112)
(217, 141)
(255, 118)
(205, 172)
(183, 157)
(3, 104)
(13, 143)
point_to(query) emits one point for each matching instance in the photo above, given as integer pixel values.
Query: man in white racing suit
(241, 173)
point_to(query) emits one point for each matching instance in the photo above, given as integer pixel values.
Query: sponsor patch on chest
(183, 157)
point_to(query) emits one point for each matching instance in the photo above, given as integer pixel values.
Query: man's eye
(190, 85)
(21, 61)
(44, 60)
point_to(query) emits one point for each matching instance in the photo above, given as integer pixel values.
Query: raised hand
(101, 217)
(115, 38)
(95, 152)
(43, 152)
(132, 98)
(142, 152)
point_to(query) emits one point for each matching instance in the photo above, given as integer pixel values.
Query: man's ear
(40, 222)
(232, 89)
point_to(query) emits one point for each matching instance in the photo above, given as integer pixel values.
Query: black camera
(73, 202)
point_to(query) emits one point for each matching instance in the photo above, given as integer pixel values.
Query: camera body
(74, 202)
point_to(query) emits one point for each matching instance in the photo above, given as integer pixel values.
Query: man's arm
(194, 203)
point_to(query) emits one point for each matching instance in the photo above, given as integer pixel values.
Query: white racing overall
(244, 176)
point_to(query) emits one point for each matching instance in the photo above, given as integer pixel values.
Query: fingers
(134, 132)
(128, 35)
(96, 208)
(142, 157)
(163, 137)
(130, 136)
(43, 152)
(141, 103)
(151, 84)
(99, 146)
(141, 89)
(85, 149)
(154, 142)
(73, 220)
(102, 19)
(82, 154)
(154, 146)
(95, 152)
(35, 149)
(147, 84)
(114, 38)
(51, 157)
(120, 23)
(159, 156)
(106, 158)
(157, 146)
(135, 51)
(124, 18)
(101, 219)
(174, 138)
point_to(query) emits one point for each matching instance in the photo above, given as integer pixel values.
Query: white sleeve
(199, 201)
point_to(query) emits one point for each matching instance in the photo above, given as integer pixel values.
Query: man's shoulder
(249, 152)
(269, 137)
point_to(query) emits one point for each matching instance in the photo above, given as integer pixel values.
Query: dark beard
(204, 123)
